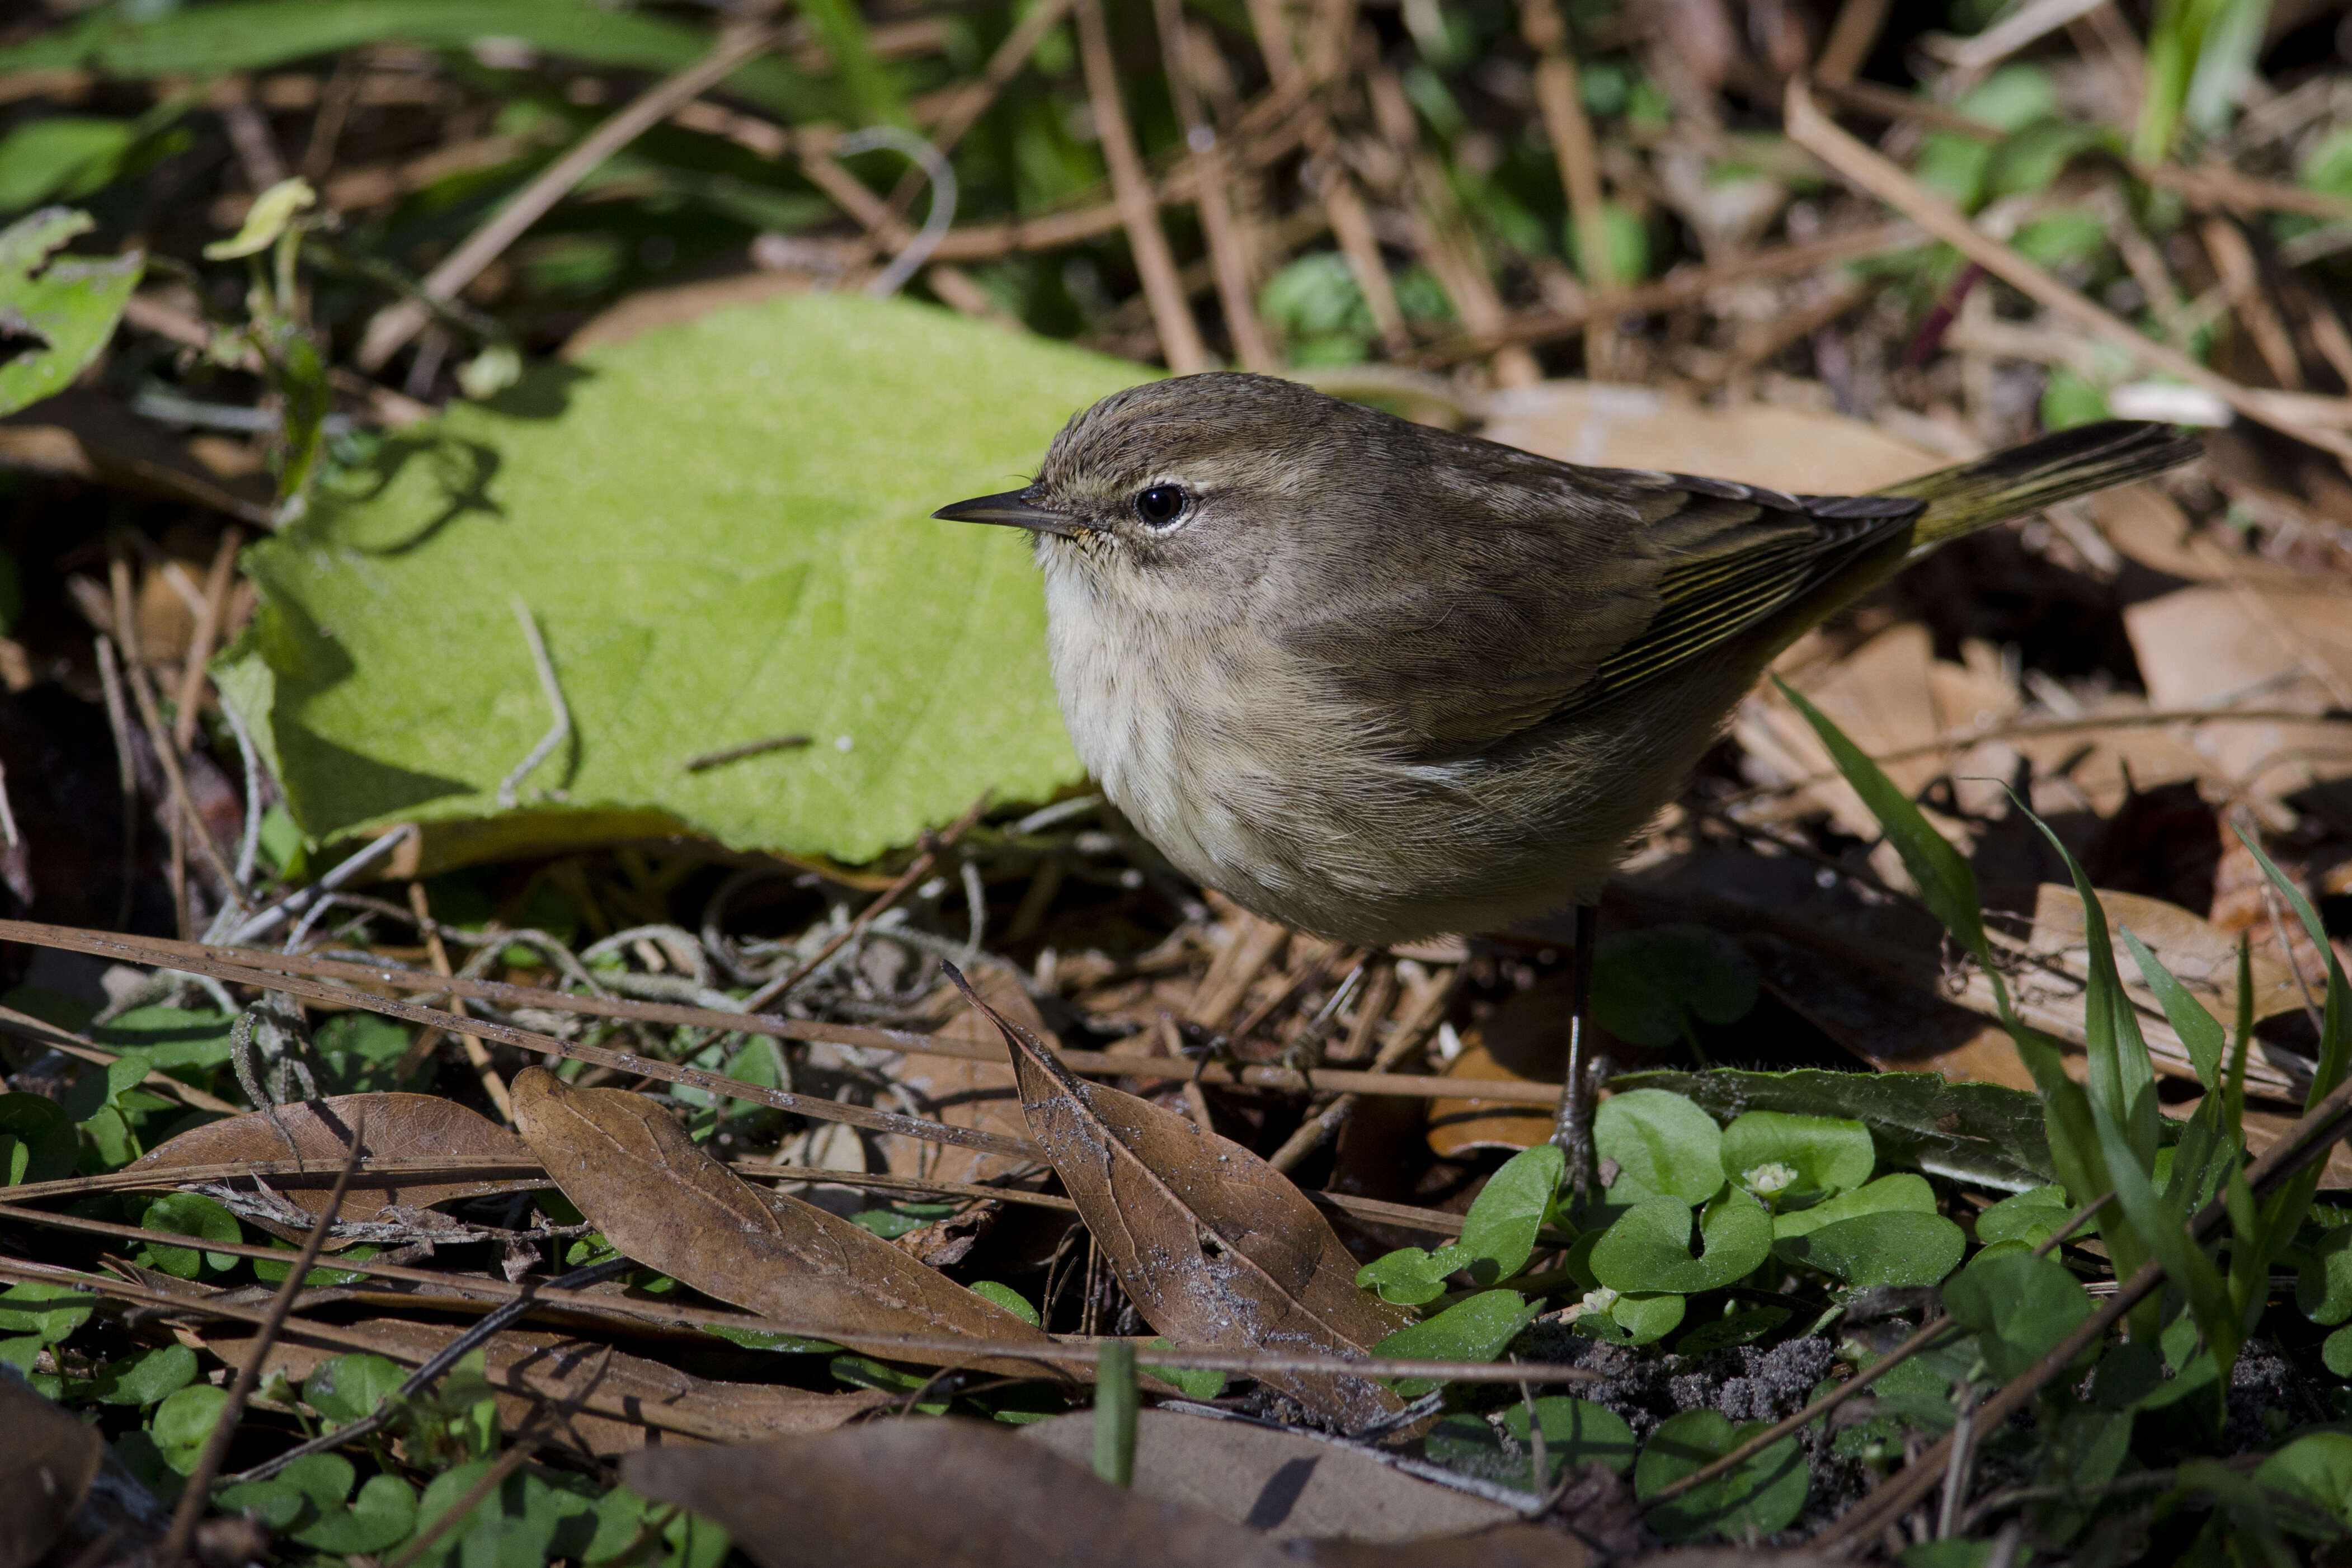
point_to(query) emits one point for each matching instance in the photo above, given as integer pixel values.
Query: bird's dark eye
(1161, 505)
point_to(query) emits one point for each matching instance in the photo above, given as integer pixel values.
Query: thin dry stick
(263, 968)
(217, 582)
(1082, 1354)
(1441, 234)
(198, 1492)
(1562, 103)
(1851, 37)
(560, 725)
(1352, 225)
(2314, 420)
(974, 100)
(395, 324)
(1409, 1037)
(1228, 256)
(151, 719)
(1685, 286)
(56, 1039)
(477, 1055)
(914, 873)
(118, 720)
(1172, 316)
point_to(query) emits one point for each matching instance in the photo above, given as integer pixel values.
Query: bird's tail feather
(2040, 473)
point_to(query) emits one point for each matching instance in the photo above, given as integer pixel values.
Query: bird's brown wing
(1572, 586)
(1715, 582)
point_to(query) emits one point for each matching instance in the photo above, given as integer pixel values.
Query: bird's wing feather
(1572, 586)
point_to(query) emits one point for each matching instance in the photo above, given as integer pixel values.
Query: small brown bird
(1378, 681)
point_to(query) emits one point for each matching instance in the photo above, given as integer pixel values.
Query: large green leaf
(722, 530)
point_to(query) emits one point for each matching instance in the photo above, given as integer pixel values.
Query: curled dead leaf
(619, 1404)
(1217, 1248)
(397, 1125)
(634, 1172)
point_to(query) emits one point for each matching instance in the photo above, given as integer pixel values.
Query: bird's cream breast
(1170, 728)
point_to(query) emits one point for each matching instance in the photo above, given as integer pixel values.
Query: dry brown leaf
(919, 1493)
(46, 1464)
(1217, 1248)
(1763, 443)
(963, 1093)
(398, 1126)
(2272, 648)
(630, 1398)
(633, 1171)
(1889, 695)
(1289, 1484)
(2201, 957)
(1894, 1028)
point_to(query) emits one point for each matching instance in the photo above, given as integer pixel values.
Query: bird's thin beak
(1014, 509)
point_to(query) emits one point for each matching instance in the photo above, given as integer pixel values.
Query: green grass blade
(2199, 1030)
(1942, 871)
(2162, 1228)
(2234, 1091)
(2335, 1027)
(2123, 1080)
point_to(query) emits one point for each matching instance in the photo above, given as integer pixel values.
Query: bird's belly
(1337, 841)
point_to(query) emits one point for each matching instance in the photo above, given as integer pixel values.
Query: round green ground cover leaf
(1408, 1276)
(2336, 1351)
(693, 1542)
(1646, 983)
(2318, 1469)
(145, 1378)
(723, 532)
(1576, 1432)
(1631, 1320)
(37, 1140)
(184, 1421)
(1900, 1192)
(525, 1523)
(2323, 1286)
(1663, 1143)
(47, 1313)
(348, 1387)
(2019, 1307)
(1761, 1496)
(383, 1514)
(1474, 1329)
(1891, 1247)
(189, 1214)
(166, 1038)
(302, 1492)
(1649, 1246)
(1499, 1234)
(1825, 1154)
(2032, 1218)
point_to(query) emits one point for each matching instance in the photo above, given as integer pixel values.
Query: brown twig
(1686, 286)
(1409, 1037)
(1228, 254)
(264, 969)
(395, 324)
(56, 1039)
(1172, 315)
(2314, 420)
(915, 873)
(477, 1055)
(1560, 101)
(217, 582)
(198, 1490)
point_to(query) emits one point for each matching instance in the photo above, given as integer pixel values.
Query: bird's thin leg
(1573, 1131)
